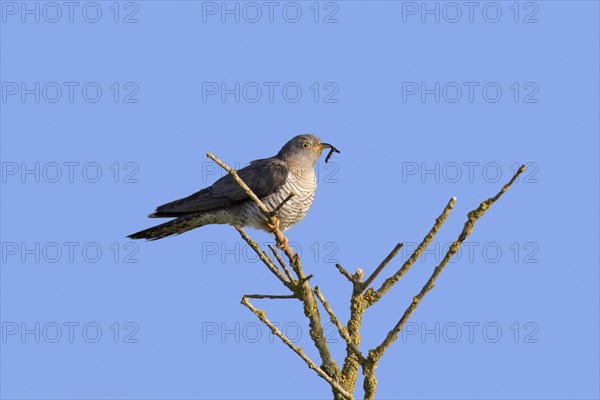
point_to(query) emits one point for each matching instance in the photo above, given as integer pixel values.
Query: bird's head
(303, 150)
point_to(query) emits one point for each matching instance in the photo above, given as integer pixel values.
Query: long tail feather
(174, 227)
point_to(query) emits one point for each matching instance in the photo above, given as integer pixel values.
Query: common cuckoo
(271, 179)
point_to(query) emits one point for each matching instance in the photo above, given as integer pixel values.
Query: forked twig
(298, 350)
(262, 255)
(381, 266)
(281, 263)
(346, 274)
(341, 329)
(375, 354)
(374, 295)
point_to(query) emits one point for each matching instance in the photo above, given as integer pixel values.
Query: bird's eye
(306, 145)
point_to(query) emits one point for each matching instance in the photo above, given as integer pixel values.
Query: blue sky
(108, 110)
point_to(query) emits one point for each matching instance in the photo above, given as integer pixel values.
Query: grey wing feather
(262, 176)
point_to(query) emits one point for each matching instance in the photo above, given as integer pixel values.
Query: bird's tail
(173, 227)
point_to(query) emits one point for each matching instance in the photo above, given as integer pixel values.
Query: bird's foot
(283, 245)
(274, 226)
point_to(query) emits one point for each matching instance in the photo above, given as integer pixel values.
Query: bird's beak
(324, 146)
(331, 148)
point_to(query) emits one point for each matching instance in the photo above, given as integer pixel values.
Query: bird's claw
(282, 245)
(275, 225)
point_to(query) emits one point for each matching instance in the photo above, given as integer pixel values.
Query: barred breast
(304, 186)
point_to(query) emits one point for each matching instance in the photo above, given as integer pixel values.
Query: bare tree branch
(271, 296)
(270, 219)
(376, 353)
(302, 289)
(358, 306)
(306, 279)
(373, 296)
(281, 263)
(343, 382)
(358, 276)
(346, 274)
(298, 350)
(341, 329)
(288, 198)
(381, 266)
(266, 212)
(262, 255)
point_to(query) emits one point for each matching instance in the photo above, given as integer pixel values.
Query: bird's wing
(262, 176)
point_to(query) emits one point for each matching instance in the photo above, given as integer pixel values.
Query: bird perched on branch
(225, 202)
